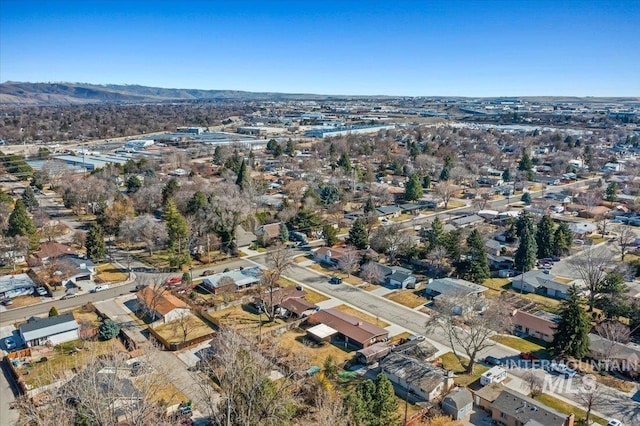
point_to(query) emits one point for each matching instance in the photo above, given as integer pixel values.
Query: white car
(563, 369)
(614, 422)
(100, 288)
(9, 343)
(42, 291)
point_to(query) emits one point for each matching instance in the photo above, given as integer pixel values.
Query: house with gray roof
(56, 330)
(235, 280)
(388, 211)
(458, 403)
(425, 381)
(469, 220)
(401, 280)
(541, 282)
(16, 285)
(512, 408)
(452, 287)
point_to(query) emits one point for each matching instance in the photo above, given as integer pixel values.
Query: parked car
(42, 291)
(492, 360)
(69, 296)
(207, 273)
(614, 422)
(528, 356)
(7, 302)
(100, 287)
(562, 369)
(335, 280)
(173, 281)
(9, 343)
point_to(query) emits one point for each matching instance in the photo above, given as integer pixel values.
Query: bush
(108, 330)
(53, 312)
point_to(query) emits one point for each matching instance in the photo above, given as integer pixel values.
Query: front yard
(409, 298)
(363, 316)
(109, 273)
(522, 345)
(294, 341)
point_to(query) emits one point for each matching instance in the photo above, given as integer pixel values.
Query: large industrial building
(329, 132)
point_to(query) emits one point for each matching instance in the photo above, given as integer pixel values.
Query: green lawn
(451, 362)
(565, 408)
(497, 283)
(522, 345)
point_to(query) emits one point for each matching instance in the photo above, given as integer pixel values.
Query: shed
(458, 403)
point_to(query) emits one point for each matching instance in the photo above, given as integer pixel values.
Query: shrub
(53, 312)
(108, 330)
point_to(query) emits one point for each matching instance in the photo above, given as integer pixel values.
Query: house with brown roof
(329, 255)
(344, 328)
(540, 325)
(288, 301)
(267, 233)
(48, 251)
(161, 304)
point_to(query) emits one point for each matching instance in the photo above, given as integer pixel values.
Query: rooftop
(525, 409)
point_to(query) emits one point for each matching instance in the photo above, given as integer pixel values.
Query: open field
(565, 408)
(109, 273)
(451, 362)
(409, 298)
(64, 357)
(365, 317)
(173, 332)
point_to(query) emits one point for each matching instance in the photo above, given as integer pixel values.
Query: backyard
(243, 318)
(524, 345)
(452, 363)
(293, 340)
(173, 332)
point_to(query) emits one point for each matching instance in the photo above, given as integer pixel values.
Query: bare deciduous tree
(349, 262)
(625, 240)
(533, 382)
(392, 241)
(468, 322)
(445, 190)
(372, 273)
(592, 394)
(591, 266)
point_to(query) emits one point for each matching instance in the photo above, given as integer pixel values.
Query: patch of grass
(81, 315)
(609, 380)
(400, 338)
(314, 297)
(497, 283)
(60, 359)
(161, 389)
(407, 298)
(401, 218)
(548, 303)
(109, 273)
(565, 408)
(301, 259)
(452, 363)
(243, 318)
(363, 316)
(563, 280)
(349, 279)
(597, 240)
(522, 345)
(173, 332)
(411, 408)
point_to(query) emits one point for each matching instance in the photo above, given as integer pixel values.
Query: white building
(16, 285)
(53, 330)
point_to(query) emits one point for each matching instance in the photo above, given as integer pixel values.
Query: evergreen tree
(290, 148)
(21, 224)
(53, 312)
(506, 175)
(562, 240)
(526, 198)
(571, 333)
(358, 235)
(435, 235)
(525, 258)
(284, 232)
(413, 190)
(332, 152)
(444, 173)
(475, 267)
(29, 199)
(544, 237)
(108, 330)
(94, 243)
(453, 243)
(133, 184)
(385, 402)
(525, 163)
(345, 162)
(330, 234)
(306, 220)
(177, 228)
(373, 403)
(197, 202)
(271, 146)
(169, 190)
(525, 221)
(611, 193)
(369, 207)
(426, 182)
(242, 180)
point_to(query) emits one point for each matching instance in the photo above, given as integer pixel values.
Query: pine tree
(283, 232)
(29, 199)
(413, 190)
(572, 331)
(444, 173)
(369, 207)
(95, 244)
(525, 258)
(611, 193)
(169, 190)
(525, 163)
(330, 234)
(196, 202)
(21, 224)
(176, 224)
(562, 239)
(506, 175)
(242, 180)
(345, 162)
(385, 402)
(133, 184)
(525, 221)
(53, 312)
(475, 267)
(435, 235)
(358, 235)
(526, 198)
(544, 237)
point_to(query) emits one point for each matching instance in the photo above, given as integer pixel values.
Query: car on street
(528, 356)
(562, 369)
(492, 360)
(173, 281)
(100, 287)
(614, 422)
(335, 280)
(69, 296)
(7, 302)
(42, 291)
(9, 343)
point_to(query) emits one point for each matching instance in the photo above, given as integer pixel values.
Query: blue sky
(400, 47)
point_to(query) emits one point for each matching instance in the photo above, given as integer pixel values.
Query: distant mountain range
(25, 94)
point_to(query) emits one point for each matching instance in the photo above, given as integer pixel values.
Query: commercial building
(329, 132)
